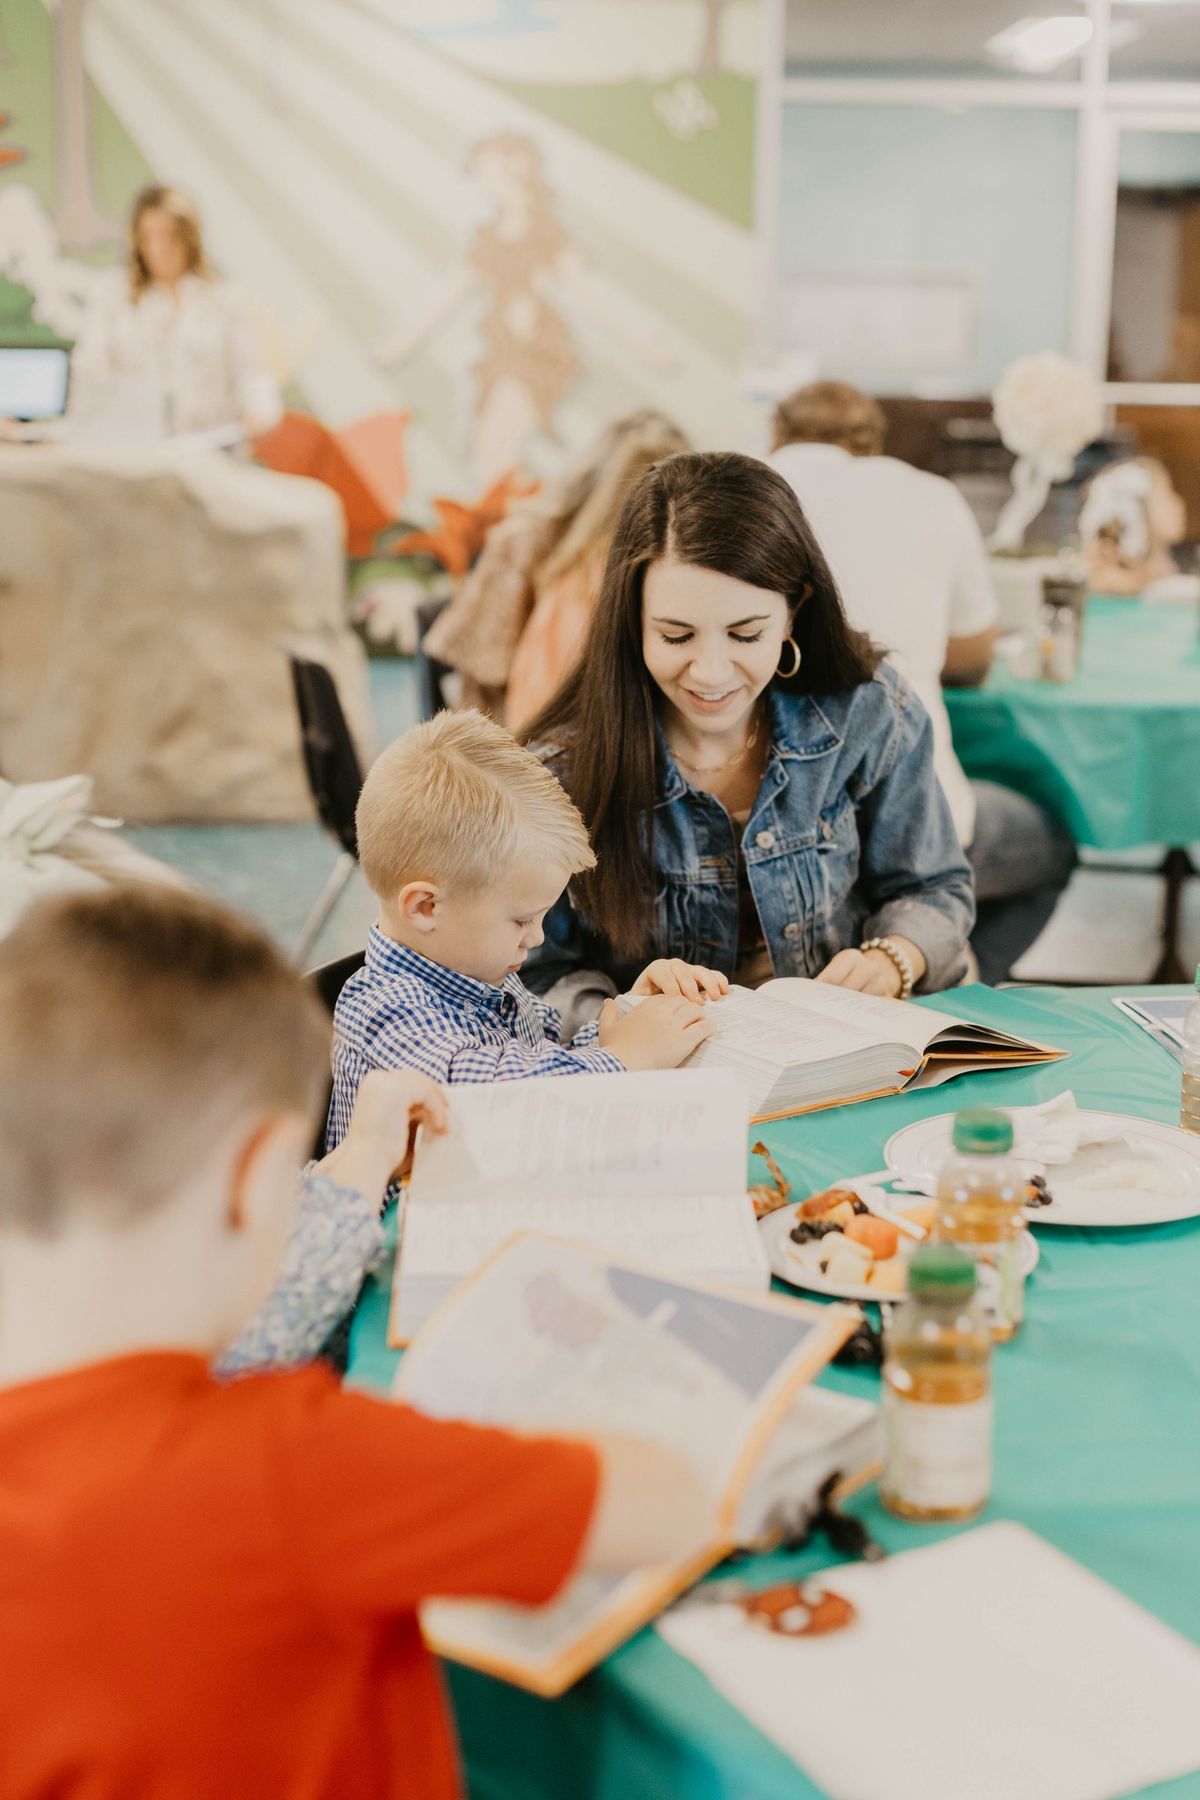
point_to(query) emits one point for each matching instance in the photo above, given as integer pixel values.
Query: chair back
(431, 674)
(331, 762)
(330, 978)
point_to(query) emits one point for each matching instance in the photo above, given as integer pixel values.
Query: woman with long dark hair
(758, 784)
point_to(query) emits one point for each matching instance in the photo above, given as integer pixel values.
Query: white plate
(776, 1226)
(924, 1146)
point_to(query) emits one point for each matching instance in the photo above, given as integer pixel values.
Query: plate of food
(853, 1240)
(1111, 1170)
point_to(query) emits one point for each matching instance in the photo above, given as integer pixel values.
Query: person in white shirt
(167, 320)
(908, 557)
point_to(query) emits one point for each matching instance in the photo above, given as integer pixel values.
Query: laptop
(33, 382)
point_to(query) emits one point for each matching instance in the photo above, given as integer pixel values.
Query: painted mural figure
(529, 360)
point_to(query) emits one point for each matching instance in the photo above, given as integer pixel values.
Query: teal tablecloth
(1114, 753)
(1097, 1440)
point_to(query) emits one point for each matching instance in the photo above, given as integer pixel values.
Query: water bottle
(1189, 1106)
(981, 1200)
(937, 1392)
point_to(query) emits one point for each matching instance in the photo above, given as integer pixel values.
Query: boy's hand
(659, 1034)
(652, 1507)
(687, 981)
(388, 1108)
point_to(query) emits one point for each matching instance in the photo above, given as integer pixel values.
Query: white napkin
(988, 1665)
(1055, 1133)
(34, 821)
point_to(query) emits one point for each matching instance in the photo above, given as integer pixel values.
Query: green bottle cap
(983, 1131)
(1197, 981)
(941, 1272)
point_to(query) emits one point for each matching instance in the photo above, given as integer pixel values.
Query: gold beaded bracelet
(900, 959)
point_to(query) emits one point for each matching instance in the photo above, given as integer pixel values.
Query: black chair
(335, 780)
(330, 978)
(431, 674)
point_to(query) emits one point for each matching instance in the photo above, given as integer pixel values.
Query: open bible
(649, 1165)
(553, 1337)
(797, 1045)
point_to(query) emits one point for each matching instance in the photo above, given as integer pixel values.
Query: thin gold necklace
(717, 768)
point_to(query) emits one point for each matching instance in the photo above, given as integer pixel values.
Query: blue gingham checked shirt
(402, 1011)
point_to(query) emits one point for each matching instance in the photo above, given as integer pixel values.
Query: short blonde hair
(831, 412)
(455, 801)
(137, 1027)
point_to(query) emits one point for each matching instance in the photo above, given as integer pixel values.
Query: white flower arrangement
(1046, 408)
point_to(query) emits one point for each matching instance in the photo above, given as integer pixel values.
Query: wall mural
(512, 219)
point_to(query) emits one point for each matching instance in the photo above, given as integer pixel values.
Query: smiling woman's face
(710, 642)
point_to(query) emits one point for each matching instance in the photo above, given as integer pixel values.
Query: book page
(699, 1234)
(755, 1037)
(870, 1018)
(589, 1136)
(550, 1336)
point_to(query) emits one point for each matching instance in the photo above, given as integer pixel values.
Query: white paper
(707, 1234)
(589, 1136)
(986, 1667)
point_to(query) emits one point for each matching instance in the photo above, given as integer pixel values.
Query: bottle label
(939, 1457)
(1000, 1283)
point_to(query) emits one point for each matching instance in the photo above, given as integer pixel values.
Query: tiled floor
(1105, 929)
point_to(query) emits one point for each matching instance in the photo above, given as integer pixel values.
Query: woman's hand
(388, 1108)
(871, 971)
(682, 980)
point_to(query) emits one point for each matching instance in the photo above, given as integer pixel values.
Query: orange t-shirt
(210, 1589)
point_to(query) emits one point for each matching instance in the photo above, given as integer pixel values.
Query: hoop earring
(790, 674)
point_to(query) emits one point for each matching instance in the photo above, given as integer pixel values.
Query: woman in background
(167, 320)
(517, 625)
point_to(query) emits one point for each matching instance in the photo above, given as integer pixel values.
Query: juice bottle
(937, 1392)
(981, 1196)
(1189, 1104)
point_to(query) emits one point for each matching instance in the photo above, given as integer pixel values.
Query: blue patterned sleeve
(335, 1240)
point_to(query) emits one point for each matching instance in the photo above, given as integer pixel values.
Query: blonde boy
(467, 842)
(211, 1587)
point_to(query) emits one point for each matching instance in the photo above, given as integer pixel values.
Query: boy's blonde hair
(455, 801)
(137, 1027)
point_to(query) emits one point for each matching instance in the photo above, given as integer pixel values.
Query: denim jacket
(849, 837)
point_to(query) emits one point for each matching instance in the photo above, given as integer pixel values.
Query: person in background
(909, 559)
(223, 1576)
(168, 320)
(759, 789)
(520, 618)
(1130, 521)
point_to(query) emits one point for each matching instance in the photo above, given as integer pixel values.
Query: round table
(1114, 754)
(1097, 1437)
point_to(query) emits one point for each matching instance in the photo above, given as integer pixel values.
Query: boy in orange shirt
(211, 1588)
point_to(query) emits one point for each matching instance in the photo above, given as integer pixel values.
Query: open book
(797, 1045)
(652, 1166)
(555, 1337)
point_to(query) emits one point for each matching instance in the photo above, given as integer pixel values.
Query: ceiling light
(1038, 45)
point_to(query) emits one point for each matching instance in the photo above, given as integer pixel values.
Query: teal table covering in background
(1097, 1439)
(1115, 752)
